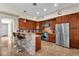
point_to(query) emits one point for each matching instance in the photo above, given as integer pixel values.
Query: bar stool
(15, 39)
(20, 37)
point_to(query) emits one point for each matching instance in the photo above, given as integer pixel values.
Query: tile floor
(48, 49)
(51, 49)
(6, 48)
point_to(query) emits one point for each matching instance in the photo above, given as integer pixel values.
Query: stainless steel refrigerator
(62, 35)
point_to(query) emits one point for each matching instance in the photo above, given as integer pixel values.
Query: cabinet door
(22, 24)
(53, 23)
(33, 25)
(51, 38)
(30, 25)
(65, 19)
(74, 38)
(41, 25)
(38, 43)
(73, 20)
(38, 25)
(59, 20)
(27, 24)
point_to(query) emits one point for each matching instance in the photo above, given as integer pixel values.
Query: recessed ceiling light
(37, 13)
(34, 4)
(25, 11)
(55, 4)
(45, 9)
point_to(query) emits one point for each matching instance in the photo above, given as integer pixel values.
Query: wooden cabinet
(65, 19)
(74, 38)
(74, 32)
(26, 24)
(38, 41)
(30, 25)
(58, 20)
(33, 25)
(52, 23)
(62, 19)
(51, 38)
(38, 25)
(41, 25)
(73, 20)
(22, 24)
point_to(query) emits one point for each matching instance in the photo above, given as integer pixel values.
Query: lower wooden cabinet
(51, 38)
(38, 43)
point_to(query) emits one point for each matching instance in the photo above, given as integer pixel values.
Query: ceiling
(39, 10)
(32, 10)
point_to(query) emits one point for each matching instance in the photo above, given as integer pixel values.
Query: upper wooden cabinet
(22, 24)
(32, 25)
(62, 19)
(73, 20)
(26, 24)
(38, 25)
(52, 23)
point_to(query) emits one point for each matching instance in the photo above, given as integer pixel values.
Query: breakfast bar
(31, 43)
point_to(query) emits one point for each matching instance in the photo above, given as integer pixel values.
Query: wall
(14, 22)
(14, 19)
(9, 28)
(0, 29)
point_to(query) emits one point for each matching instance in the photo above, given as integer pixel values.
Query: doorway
(6, 27)
(4, 30)
(6, 33)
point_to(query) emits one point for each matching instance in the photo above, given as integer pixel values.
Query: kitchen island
(32, 42)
